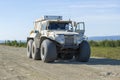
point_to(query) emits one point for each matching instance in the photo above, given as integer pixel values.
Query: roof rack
(49, 18)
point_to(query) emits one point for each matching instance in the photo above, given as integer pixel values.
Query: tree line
(105, 43)
(15, 43)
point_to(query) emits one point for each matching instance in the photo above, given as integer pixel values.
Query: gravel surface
(14, 65)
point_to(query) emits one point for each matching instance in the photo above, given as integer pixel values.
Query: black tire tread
(29, 51)
(36, 52)
(49, 52)
(84, 52)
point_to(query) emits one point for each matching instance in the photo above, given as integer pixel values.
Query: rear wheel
(84, 52)
(35, 52)
(48, 51)
(29, 48)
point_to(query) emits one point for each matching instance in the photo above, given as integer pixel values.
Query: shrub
(105, 43)
(15, 43)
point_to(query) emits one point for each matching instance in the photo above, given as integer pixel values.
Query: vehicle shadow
(92, 61)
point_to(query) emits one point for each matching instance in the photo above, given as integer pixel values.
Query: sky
(102, 17)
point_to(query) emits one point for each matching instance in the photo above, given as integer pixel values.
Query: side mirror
(36, 31)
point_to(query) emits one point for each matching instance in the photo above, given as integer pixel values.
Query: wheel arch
(84, 41)
(43, 38)
(29, 38)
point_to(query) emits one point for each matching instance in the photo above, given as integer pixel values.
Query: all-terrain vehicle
(54, 38)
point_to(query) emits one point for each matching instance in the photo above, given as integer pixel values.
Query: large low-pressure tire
(48, 51)
(84, 52)
(29, 48)
(35, 52)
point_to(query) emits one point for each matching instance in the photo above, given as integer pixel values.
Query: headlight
(51, 35)
(60, 38)
(78, 39)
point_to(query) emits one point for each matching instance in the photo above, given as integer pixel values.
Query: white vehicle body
(66, 35)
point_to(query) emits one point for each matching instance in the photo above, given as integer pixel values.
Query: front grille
(69, 40)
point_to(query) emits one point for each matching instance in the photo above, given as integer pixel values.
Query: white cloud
(95, 6)
(104, 17)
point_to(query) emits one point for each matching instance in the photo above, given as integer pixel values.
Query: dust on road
(14, 65)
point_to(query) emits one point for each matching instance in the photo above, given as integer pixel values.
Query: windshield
(59, 26)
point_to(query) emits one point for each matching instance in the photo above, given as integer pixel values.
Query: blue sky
(102, 17)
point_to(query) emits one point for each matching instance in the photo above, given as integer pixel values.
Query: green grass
(107, 52)
(14, 43)
(97, 51)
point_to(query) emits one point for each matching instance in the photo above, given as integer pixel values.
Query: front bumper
(69, 47)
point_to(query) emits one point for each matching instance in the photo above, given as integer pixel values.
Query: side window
(43, 26)
(80, 26)
(37, 26)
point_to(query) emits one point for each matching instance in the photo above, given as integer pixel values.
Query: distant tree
(94, 43)
(117, 43)
(8, 43)
(105, 43)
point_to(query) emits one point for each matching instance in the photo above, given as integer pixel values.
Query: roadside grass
(107, 52)
(14, 43)
(96, 51)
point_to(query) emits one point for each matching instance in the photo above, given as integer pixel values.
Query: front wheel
(48, 51)
(84, 52)
(35, 52)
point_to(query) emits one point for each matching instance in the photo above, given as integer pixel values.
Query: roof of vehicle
(53, 21)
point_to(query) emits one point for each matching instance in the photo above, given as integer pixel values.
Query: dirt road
(14, 65)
